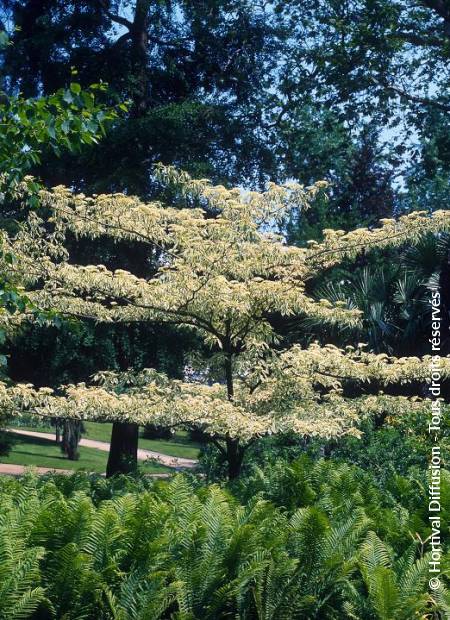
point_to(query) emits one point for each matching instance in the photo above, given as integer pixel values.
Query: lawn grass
(180, 445)
(42, 452)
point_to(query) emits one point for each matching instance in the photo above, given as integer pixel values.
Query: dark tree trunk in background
(137, 33)
(71, 436)
(122, 457)
(58, 428)
(139, 36)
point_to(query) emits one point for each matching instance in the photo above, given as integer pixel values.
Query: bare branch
(417, 99)
(413, 98)
(118, 19)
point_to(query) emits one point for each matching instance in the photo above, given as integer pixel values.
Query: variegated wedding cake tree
(217, 268)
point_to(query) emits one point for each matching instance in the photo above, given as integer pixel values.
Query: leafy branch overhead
(66, 120)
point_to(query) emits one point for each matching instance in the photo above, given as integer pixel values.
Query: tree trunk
(122, 457)
(139, 35)
(235, 455)
(71, 436)
(57, 430)
(235, 452)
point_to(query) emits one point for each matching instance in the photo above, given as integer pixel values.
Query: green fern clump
(309, 541)
(21, 591)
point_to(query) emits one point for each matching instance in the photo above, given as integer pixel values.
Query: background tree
(233, 78)
(367, 68)
(195, 74)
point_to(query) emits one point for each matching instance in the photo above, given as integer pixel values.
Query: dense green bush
(6, 442)
(151, 431)
(398, 446)
(311, 541)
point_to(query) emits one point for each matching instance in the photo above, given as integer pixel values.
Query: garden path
(169, 461)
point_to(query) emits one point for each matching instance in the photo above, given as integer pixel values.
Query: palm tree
(393, 295)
